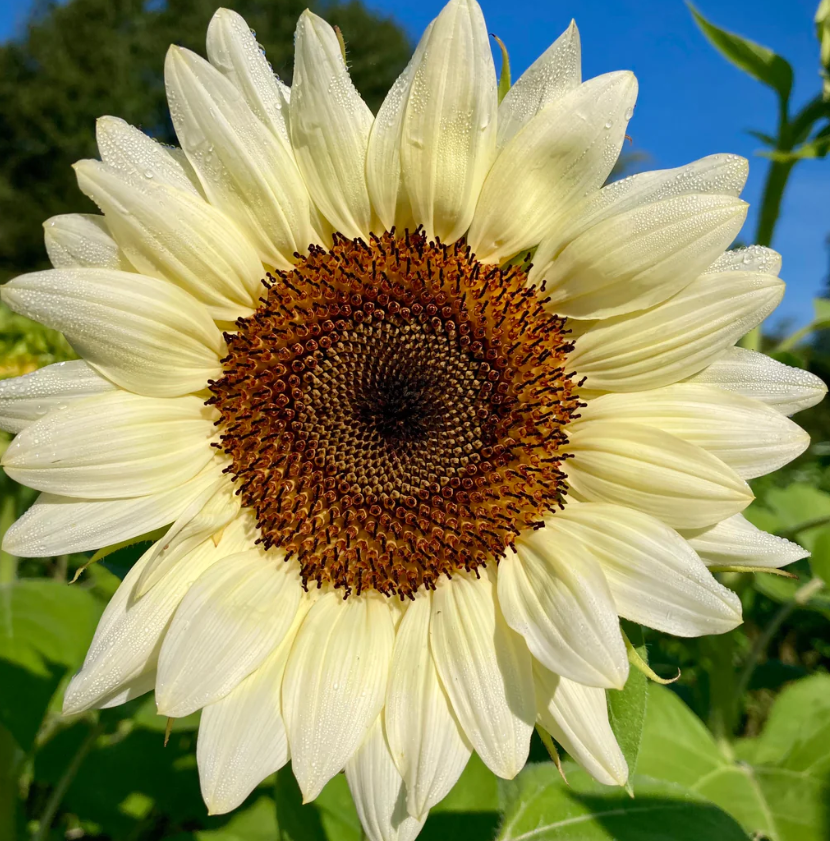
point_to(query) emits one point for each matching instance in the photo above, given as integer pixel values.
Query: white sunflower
(410, 481)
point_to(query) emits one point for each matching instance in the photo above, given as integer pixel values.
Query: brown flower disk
(394, 412)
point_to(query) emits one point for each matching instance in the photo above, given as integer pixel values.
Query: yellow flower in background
(412, 480)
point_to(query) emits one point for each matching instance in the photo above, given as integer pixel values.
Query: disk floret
(395, 411)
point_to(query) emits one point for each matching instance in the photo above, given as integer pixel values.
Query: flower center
(394, 412)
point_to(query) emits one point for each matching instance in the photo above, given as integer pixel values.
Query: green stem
(10, 756)
(64, 782)
(8, 514)
(804, 525)
(778, 175)
(792, 340)
(800, 598)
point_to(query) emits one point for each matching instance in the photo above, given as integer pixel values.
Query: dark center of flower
(394, 412)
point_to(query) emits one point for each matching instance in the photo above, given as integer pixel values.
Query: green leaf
(45, 630)
(759, 62)
(782, 803)
(256, 823)
(539, 806)
(627, 706)
(797, 733)
(820, 558)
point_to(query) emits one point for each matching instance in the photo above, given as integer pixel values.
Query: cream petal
(383, 155)
(448, 137)
(378, 791)
(242, 736)
(639, 258)
(233, 50)
(554, 594)
(424, 739)
(677, 338)
(485, 669)
(750, 437)
(26, 399)
(59, 525)
(129, 636)
(721, 175)
(735, 541)
(132, 154)
(232, 618)
(206, 515)
(752, 258)
(112, 446)
(141, 685)
(246, 171)
(654, 472)
(577, 717)
(142, 333)
(335, 683)
(330, 125)
(567, 149)
(655, 577)
(82, 240)
(176, 236)
(555, 73)
(756, 375)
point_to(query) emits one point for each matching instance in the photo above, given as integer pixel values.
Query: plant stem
(8, 514)
(792, 533)
(800, 598)
(64, 782)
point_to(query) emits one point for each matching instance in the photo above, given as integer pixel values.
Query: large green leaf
(539, 805)
(256, 823)
(45, 629)
(759, 62)
(783, 803)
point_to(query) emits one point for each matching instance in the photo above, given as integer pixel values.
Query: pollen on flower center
(394, 412)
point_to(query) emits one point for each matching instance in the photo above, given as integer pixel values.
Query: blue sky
(691, 103)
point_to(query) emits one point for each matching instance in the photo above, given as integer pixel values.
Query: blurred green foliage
(738, 747)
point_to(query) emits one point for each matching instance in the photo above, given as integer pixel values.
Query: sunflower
(424, 405)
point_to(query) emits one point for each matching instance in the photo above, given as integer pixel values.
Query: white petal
(424, 739)
(232, 618)
(448, 139)
(485, 669)
(753, 258)
(554, 594)
(383, 155)
(242, 736)
(82, 240)
(654, 472)
(30, 397)
(655, 577)
(722, 175)
(246, 170)
(378, 791)
(568, 148)
(233, 50)
(556, 72)
(114, 445)
(330, 125)
(752, 438)
(142, 333)
(128, 638)
(335, 684)
(678, 338)
(577, 717)
(176, 236)
(141, 685)
(133, 154)
(788, 390)
(735, 541)
(640, 258)
(59, 525)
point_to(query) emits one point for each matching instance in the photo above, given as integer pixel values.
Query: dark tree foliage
(85, 58)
